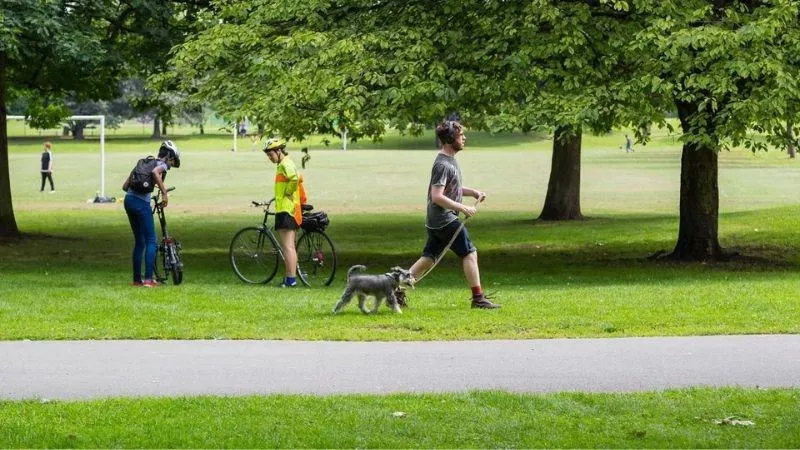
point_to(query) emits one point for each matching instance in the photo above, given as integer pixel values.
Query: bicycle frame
(265, 227)
(159, 211)
(169, 248)
(253, 249)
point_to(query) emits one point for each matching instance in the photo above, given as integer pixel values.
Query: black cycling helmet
(169, 149)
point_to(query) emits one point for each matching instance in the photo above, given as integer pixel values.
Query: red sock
(477, 291)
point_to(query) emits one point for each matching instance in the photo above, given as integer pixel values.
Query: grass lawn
(67, 278)
(672, 419)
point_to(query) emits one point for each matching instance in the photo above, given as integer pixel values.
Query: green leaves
(301, 66)
(44, 114)
(735, 63)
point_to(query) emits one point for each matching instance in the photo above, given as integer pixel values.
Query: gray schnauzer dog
(379, 286)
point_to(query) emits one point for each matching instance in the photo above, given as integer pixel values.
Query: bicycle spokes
(319, 258)
(254, 256)
(316, 258)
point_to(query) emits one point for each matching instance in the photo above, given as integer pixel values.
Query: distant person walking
(47, 167)
(628, 144)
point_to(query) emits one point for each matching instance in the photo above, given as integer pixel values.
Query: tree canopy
(728, 67)
(735, 61)
(52, 50)
(303, 67)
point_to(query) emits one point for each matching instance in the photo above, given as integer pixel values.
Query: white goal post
(102, 120)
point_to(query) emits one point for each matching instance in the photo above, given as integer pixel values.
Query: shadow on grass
(514, 250)
(24, 238)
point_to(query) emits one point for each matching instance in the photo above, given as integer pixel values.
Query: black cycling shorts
(285, 221)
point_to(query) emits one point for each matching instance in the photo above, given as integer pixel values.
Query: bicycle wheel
(254, 255)
(316, 258)
(176, 265)
(159, 268)
(168, 263)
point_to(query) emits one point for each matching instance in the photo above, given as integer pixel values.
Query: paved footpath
(93, 369)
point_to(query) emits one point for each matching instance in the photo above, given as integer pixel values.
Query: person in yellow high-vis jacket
(288, 213)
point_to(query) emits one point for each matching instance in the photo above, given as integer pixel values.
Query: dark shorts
(440, 237)
(285, 221)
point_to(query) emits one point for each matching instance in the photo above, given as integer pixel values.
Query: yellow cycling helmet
(274, 144)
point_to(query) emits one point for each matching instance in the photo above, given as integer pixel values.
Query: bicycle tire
(177, 276)
(176, 266)
(159, 267)
(316, 258)
(168, 264)
(254, 255)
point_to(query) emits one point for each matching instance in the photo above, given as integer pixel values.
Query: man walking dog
(445, 194)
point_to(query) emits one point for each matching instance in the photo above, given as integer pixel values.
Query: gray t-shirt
(445, 172)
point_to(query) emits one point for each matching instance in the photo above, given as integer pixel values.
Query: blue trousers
(144, 234)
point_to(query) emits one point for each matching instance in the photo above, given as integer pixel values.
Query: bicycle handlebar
(305, 207)
(158, 196)
(169, 189)
(263, 204)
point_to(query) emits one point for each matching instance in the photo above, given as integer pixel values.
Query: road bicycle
(168, 261)
(255, 251)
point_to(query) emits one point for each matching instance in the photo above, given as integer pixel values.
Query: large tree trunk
(563, 200)
(698, 233)
(790, 134)
(156, 128)
(77, 129)
(163, 128)
(8, 224)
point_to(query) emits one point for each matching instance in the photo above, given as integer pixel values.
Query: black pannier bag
(315, 221)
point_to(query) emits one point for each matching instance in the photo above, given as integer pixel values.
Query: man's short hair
(448, 130)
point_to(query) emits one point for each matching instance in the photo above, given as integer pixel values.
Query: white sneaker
(53, 191)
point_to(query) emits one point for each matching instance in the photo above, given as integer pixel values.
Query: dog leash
(452, 239)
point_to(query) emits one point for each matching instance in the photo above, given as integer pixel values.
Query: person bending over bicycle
(148, 174)
(288, 213)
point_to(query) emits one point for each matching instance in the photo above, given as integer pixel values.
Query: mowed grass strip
(672, 419)
(68, 278)
(581, 279)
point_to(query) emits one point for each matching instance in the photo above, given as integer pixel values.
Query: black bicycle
(255, 251)
(168, 260)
